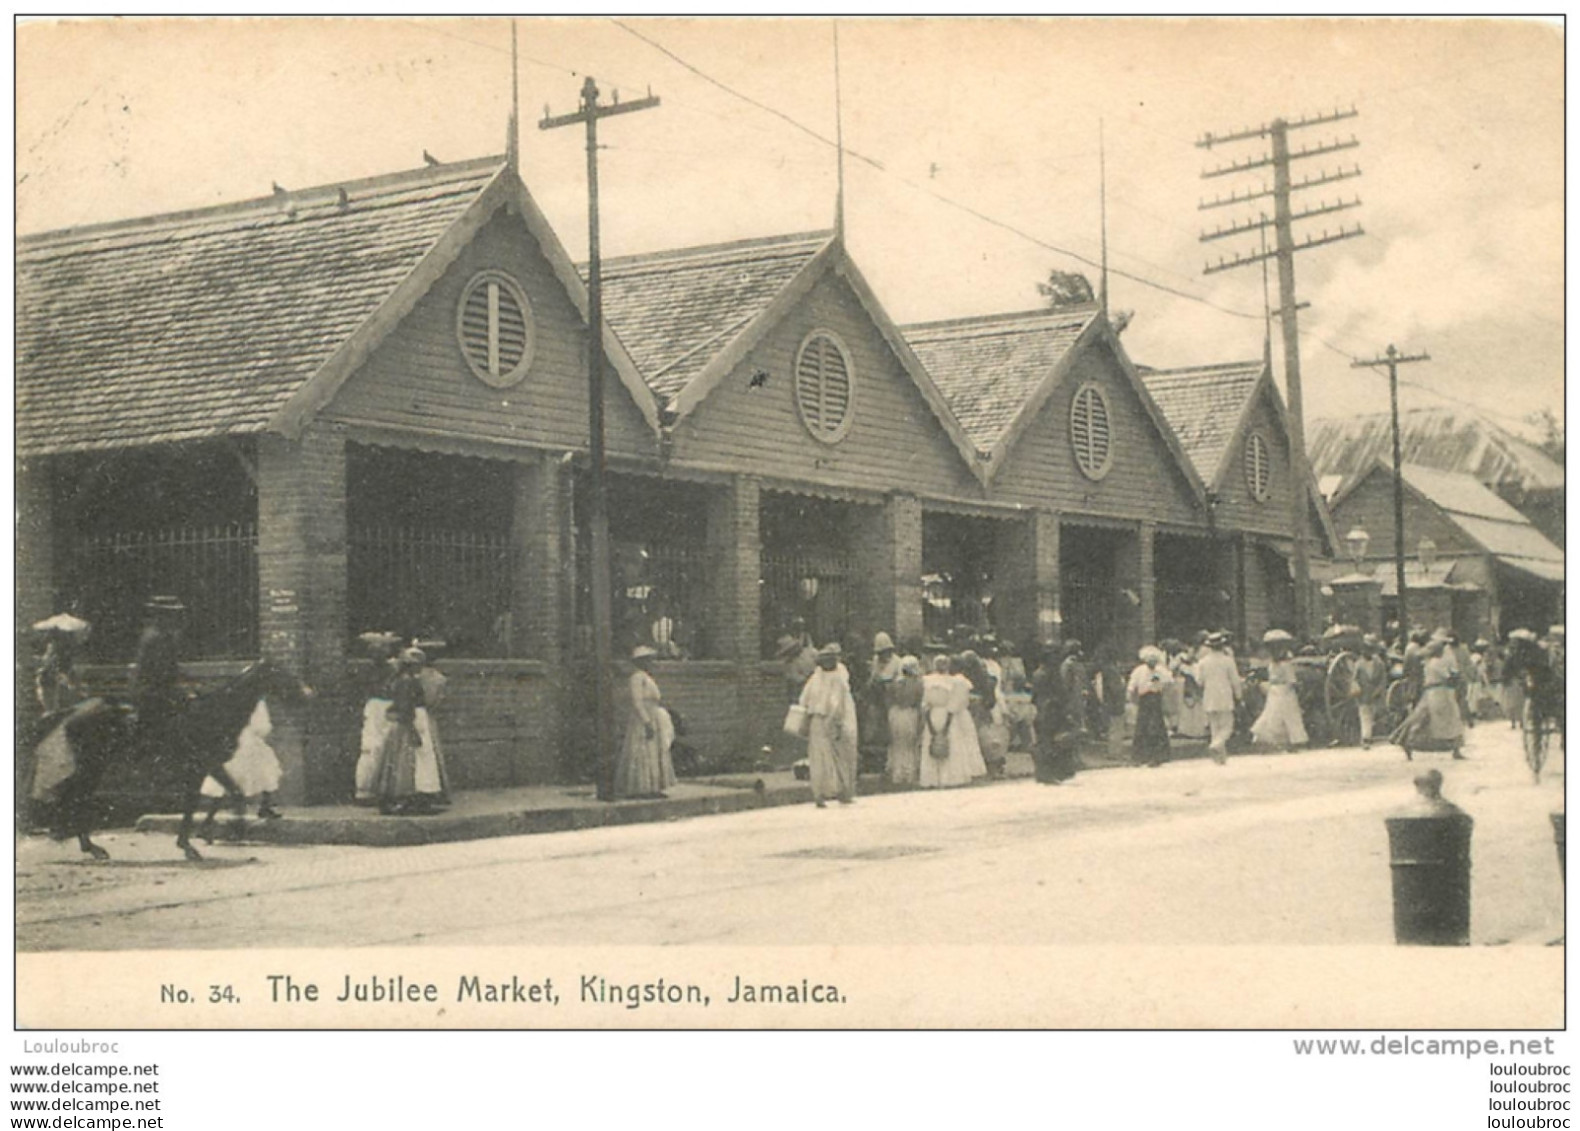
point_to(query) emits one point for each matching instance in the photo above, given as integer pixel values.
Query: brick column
(1148, 583)
(734, 567)
(536, 529)
(35, 549)
(35, 585)
(1045, 558)
(902, 516)
(302, 604)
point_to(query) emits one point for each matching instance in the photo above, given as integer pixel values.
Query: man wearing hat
(156, 673)
(1221, 690)
(1371, 685)
(831, 734)
(881, 674)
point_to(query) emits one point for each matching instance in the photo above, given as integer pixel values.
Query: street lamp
(1357, 540)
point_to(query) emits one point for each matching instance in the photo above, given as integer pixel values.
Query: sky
(972, 159)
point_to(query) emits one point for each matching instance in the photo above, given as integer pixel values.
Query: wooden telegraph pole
(598, 516)
(1284, 218)
(1393, 359)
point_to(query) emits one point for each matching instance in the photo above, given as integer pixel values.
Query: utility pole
(1285, 247)
(598, 516)
(1393, 359)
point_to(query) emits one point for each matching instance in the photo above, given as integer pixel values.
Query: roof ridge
(164, 222)
(1020, 321)
(1216, 366)
(702, 253)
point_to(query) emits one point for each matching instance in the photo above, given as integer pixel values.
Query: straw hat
(643, 652)
(1277, 636)
(882, 643)
(63, 623)
(413, 657)
(832, 648)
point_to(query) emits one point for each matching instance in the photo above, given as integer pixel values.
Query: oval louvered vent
(1258, 468)
(494, 327)
(825, 388)
(1091, 432)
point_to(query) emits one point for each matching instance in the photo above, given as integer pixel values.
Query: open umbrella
(62, 622)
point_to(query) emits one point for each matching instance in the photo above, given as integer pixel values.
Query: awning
(1536, 567)
(1416, 576)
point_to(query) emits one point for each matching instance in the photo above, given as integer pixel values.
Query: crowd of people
(928, 718)
(951, 715)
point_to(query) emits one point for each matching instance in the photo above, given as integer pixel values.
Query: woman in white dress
(1435, 723)
(951, 754)
(1193, 716)
(645, 768)
(905, 723)
(1280, 723)
(375, 712)
(255, 768)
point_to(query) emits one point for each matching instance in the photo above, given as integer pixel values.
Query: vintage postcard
(789, 523)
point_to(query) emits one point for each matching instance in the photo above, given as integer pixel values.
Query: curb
(441, 828)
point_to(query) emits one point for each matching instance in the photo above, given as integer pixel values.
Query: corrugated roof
(988, 368)
(1444, 438)
(204, 323)
(1498, 527)
(676, 310)
(1203, 404)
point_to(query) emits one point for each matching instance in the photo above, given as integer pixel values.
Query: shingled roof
(206, 323)
(1494, 525)
(1445, 438)
(990, 368)
(677, 310)
(1205, 405)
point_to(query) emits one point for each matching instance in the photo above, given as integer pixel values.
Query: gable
(1369, 505)
(1144, 480)
(894, 440)
(207, 323)
(418, 378)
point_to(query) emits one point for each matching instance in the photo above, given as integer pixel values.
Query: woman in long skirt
(1193, 716)
(1280, 723)
(1436, 722)
(255, 768)
(375, 687)
(905, 723)
(432, 780)
(1058, 722)
(831, 729)
(1149, 684)
(949, 735)
(397, 787)
(644, 768)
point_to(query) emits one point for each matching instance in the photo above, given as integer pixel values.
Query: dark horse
(198, 741)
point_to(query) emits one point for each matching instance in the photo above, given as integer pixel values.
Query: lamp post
(1357, 540)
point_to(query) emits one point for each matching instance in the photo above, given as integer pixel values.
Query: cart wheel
(1535, 736)
(1344, 717)
(1398, 703)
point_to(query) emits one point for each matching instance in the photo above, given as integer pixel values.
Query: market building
(364, 407)
(1474, 563)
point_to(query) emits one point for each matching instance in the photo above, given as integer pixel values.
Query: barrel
(1430, 856)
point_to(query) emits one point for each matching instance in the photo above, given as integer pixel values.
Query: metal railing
(212, 569)
(787, 579)
(452, 584)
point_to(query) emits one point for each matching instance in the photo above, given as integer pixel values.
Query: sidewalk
(478, 814)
